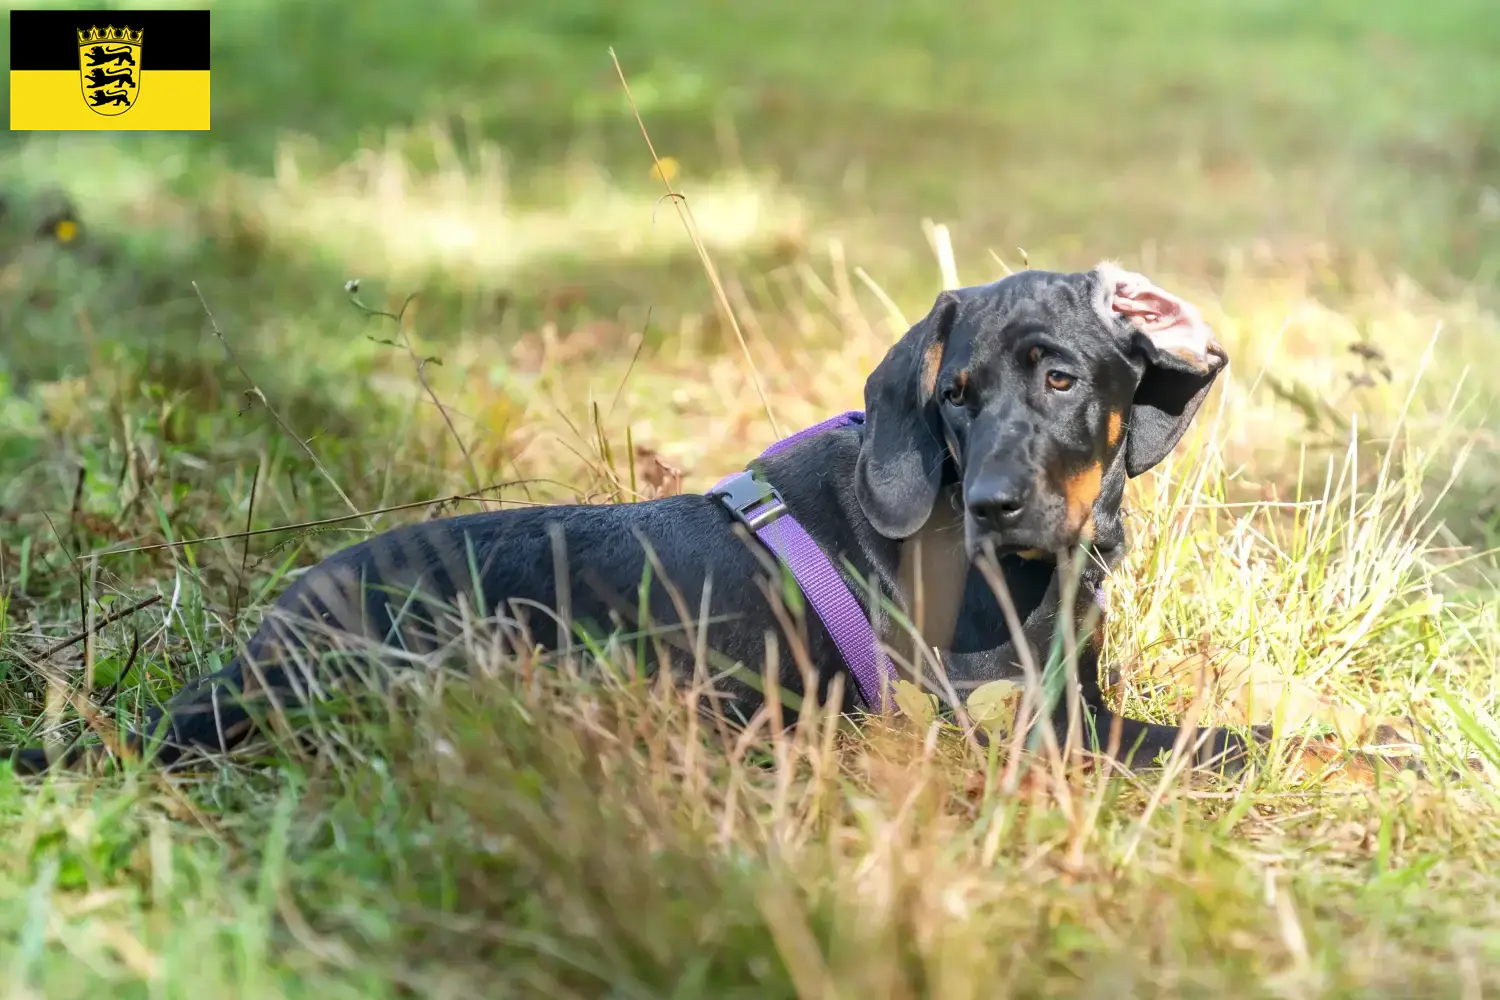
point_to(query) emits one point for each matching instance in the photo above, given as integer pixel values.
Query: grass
(1315, 179)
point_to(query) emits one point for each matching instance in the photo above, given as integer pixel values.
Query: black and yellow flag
(108, 69)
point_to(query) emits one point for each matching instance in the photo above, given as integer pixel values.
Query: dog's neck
(934, 568)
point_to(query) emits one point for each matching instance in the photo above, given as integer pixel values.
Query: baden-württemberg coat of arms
(110, 64)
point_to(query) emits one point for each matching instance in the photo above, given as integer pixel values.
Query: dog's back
(414, 588)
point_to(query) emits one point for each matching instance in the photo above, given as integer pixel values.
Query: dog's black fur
(1017, 401)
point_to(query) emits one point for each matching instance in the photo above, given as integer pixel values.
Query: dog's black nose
(1000, 508)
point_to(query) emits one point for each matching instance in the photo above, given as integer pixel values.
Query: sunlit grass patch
(1337, 607)
(459, 216)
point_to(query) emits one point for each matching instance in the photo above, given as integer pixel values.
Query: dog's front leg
(1143, 743)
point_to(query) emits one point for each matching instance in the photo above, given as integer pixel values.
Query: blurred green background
(483, 153)
(1080, 130)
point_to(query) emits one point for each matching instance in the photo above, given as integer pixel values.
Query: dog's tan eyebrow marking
(1116, 427)
(932, 361)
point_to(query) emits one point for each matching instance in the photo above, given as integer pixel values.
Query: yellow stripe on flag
(52, 100)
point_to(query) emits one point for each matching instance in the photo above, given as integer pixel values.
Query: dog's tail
(79, 755)
(206, 715)
(37, 760)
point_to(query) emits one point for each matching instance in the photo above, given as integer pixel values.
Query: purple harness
(759, 506)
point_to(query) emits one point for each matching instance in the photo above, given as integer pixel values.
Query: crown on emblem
(109, 34)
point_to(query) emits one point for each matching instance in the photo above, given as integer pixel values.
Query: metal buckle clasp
(743, 493)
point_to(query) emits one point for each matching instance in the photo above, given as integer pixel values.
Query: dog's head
(1041, 393)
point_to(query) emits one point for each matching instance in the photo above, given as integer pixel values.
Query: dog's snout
(1000, 504)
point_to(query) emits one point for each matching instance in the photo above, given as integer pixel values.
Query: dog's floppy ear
(1182, 360)
(900, 466)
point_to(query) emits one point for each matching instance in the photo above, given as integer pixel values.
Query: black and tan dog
(1008, 419)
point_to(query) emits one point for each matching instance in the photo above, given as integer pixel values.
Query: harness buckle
(744, 493)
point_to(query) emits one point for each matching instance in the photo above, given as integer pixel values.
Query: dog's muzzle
(1001, 507)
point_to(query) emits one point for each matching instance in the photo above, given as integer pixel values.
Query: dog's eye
(1059, 381)
(954, 395)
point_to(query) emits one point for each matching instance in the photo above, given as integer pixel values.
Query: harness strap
(757, 503)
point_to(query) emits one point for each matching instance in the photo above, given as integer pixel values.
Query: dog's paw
(1230, 753)
(1325, 761)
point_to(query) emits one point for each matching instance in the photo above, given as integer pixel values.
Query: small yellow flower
(66, 231)
(665, 169)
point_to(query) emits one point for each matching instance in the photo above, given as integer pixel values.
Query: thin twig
(898, 318)
(942, 247)
(74, 508)
(135, 648)
(320, 523)
(631, 367)
(420, 363)
(239, 583)
(76, 559)
(98, 626)
(685, 213)
(255, 389)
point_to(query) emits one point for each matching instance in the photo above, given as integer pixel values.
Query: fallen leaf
(916, 704)
(657, 478)
(993, 707)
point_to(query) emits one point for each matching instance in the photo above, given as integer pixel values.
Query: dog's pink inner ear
(1172, 324)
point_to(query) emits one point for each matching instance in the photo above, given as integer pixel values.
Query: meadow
(191, 348)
